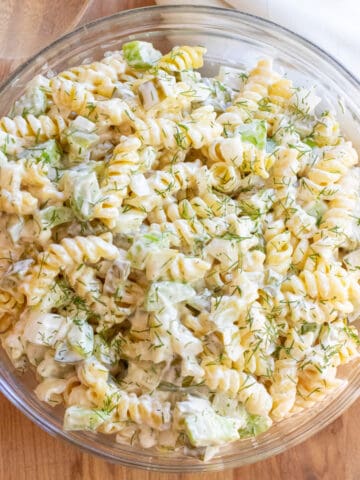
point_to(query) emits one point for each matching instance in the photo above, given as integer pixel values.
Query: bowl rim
(90, 25)
(25, 407)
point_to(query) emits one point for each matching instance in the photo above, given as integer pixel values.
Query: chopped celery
(161, 292)
(65, 354)
(45, 328)
(58, 296)
(254, 132)
(156, 90)
(304, 101)
(52, 216)
(81, 418)
(82, 124)
(81, 140)
(317, 210)
(209, 429)
(149, 94)
(102, 351)
(129, 221)
(140, 54)
(255, 425)
(81, 137)
(232, 77)
(229, 407)
(189, 76)
(84, 192)
(144, 375)
(203, 425)
(33, 102)
(48, 153)
(214, 93)
(139, 185)
(81, 338)
(145, 244)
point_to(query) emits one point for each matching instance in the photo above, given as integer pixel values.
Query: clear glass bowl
(231, 38)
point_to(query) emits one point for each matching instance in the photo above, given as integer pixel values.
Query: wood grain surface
(28, 453)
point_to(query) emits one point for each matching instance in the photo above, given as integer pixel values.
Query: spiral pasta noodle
(256, 88)
(41, 128)
(182, 58)
(283, 390)
(253, 394)
(144, 410)
(278, 247)
(63, 256)
(13, 198)
(99, 77)
(197, 130)
(71, 95)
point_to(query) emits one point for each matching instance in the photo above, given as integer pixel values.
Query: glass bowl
(231, 38)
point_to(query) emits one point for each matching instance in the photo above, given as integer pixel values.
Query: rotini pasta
(182, 58)
(251, 393)
(100, 78)
(179, 254)
(69, 253)
(33, 128)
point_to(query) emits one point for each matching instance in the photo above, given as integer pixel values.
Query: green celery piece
(32, 102)
(81, 418)
(255, 133)
(317, 210)
(256, 424)
(82, 140)
(58, 296)
(65, 354)
(140, 55)
(81, 137)
(81, 338)
(173, 292)
(85, 193)
(53, 216)
(102, 351)
(48, 152)
(232, 77)
(45, 328)
(143, 245)
(209, 429)
(161, 292)
(219, 97)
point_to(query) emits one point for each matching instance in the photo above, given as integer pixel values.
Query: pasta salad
(180, 256)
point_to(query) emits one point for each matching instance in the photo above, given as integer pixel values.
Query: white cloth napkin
(333, 25)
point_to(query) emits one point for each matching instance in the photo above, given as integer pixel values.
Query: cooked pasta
(40, 128)
(180, 255)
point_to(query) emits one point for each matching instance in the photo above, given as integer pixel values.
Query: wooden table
(28, 453)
